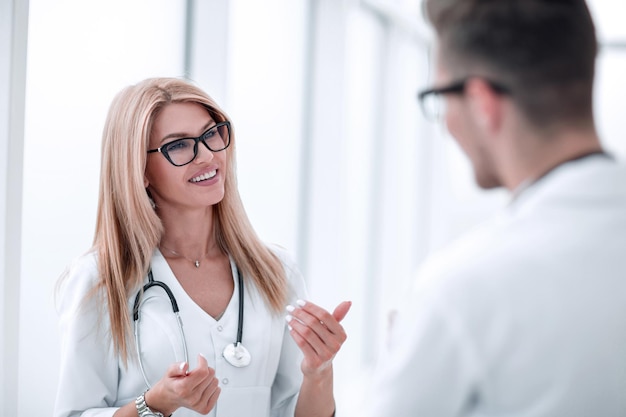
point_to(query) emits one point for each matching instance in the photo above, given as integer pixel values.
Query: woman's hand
(318, 333)
(197, 389)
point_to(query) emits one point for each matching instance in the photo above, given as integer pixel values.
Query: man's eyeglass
(182, 151)
(433, 104)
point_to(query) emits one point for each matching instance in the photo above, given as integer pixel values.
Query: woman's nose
(204, 153)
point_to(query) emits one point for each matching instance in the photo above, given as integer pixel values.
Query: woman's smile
(204, 177)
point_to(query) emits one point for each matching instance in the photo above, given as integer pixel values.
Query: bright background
(335, 161)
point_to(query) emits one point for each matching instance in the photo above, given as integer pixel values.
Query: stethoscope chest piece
(237, 355)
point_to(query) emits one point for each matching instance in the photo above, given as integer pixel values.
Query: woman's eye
(210, 133)
(179, 145)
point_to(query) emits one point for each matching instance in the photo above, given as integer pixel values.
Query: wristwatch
(142, 408)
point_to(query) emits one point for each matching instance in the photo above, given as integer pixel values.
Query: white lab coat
(526, 316)
(94, 382)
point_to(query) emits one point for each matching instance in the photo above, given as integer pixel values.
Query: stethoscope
(234, 353)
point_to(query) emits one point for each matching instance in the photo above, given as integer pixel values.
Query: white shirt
(526, 316)
(94, 381)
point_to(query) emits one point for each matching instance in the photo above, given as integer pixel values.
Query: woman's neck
(189, 233)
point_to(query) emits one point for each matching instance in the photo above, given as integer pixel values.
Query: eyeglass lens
(433, 107)
(183, 151)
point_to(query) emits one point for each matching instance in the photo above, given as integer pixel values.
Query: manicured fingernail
(289, 327)
(301, 303)
(288, 318)
(290, 308)
(182, 366)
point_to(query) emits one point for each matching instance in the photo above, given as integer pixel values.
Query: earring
(152, 203)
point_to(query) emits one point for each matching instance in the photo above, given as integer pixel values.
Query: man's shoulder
(473, 250)
(490, 254)
(549, 235)
(598, 179)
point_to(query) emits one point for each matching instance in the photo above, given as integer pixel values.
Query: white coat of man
(526, 315)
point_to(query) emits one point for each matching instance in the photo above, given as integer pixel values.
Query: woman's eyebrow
(186, 135)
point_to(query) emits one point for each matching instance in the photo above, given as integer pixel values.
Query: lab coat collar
(532, 186)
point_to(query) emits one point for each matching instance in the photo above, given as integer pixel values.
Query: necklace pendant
(197, 264)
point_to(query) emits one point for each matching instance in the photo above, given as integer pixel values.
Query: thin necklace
(195, 262)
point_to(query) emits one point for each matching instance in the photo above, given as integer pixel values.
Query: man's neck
(538, 156)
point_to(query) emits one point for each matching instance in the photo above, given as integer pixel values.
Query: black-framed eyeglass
(433, 105)
(182, 151)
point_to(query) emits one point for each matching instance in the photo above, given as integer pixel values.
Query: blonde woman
(179, 308)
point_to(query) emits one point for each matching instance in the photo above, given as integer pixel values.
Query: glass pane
(80, 54)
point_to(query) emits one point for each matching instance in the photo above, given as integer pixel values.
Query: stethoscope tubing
(137, 318)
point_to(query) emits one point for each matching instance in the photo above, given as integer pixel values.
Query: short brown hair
(543, 50)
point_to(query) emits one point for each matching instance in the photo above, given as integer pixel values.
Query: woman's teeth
(203, 177)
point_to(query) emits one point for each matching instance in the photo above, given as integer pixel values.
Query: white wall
(13, 35)
(335, 161)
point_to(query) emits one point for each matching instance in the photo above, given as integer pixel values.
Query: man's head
(543, 51)
(538, 55)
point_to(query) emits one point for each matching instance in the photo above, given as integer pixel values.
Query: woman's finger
(303, 344)
(342, 310)
(208, 397)
(199, 377)
(313, 322)
(313, 334)
(318, 334)
(311, 314)
(325, 325)
(178, 369)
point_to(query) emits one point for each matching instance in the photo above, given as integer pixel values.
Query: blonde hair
(128, 229)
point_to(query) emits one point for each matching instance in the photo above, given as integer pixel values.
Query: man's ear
(486, 104)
